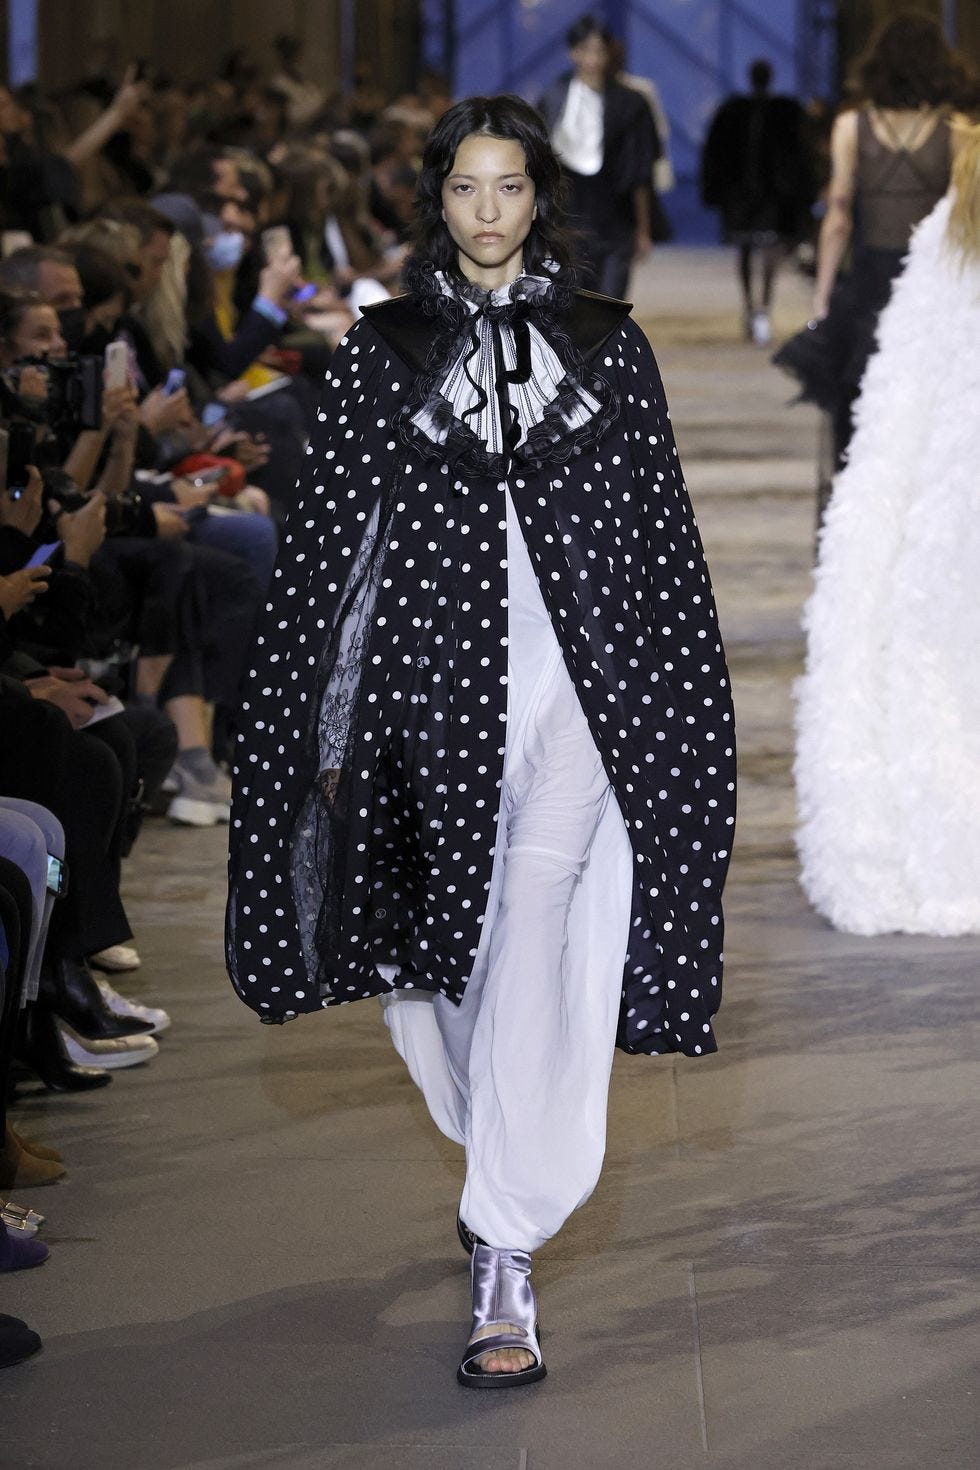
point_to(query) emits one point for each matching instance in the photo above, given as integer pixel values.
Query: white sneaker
(761, 329)
(121, 1005)
(115, 959)
(201, 803)
(126, 1051)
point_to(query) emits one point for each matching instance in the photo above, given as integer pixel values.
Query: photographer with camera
(188, 609)
(56, 394)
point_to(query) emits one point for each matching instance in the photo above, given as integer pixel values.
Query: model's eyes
(517, 188)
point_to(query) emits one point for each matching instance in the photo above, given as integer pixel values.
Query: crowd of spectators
(177, 264)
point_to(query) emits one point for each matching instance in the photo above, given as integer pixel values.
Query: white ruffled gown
(888, 710)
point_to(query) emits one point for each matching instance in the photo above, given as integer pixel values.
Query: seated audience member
(171, 430)
(221, 345)
(396, 145)
(188, 609)
(363, 265)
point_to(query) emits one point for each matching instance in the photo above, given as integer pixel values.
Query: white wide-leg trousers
(519, 1072)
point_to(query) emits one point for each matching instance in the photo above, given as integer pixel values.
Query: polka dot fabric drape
(392, 864)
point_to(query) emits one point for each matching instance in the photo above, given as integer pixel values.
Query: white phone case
(276, 241)
(116, 365)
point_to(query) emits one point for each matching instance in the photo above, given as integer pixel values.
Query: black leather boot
(40, 1049)
(71, 991)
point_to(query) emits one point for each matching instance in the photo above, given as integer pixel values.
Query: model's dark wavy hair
(547, 249)
(908, 64)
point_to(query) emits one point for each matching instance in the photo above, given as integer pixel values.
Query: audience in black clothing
(160, 353)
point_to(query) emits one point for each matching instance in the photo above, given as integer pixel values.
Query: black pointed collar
(588, 323)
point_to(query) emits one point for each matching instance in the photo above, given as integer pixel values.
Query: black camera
(72, 402)
(125, 515)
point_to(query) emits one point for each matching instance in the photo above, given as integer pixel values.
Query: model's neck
(492, 278)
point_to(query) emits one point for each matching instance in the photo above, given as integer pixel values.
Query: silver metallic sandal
(502, 1294)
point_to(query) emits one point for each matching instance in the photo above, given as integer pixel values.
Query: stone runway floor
(253, 1257)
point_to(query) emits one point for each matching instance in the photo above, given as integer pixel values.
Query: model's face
(488, 205)
(591, 61)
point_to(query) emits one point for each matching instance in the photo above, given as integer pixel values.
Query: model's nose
(488, 210)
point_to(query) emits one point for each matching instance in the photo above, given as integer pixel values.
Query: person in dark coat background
(758, 169)
(606, 140)
(486, 769)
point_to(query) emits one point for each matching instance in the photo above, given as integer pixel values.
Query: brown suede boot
(39, 1150)
(22, 1170)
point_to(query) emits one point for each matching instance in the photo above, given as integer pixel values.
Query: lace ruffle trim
(554, 438)
(550, 441)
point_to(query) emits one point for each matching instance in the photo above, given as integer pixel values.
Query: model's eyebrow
(501, 178)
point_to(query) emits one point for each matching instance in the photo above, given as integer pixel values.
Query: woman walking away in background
(488, 766)
(890, 165)
(888, 763)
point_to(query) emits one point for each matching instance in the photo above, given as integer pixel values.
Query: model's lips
(489, 235)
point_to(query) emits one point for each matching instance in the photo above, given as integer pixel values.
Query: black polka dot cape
(369, 766)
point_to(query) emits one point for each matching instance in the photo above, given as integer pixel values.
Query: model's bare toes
(505, 1360)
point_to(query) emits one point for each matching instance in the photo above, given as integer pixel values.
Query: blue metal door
(696, 51)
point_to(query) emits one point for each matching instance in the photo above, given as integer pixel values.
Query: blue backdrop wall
(696, 51)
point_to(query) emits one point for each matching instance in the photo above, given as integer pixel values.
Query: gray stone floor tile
(841, 1364)
(372, 1457)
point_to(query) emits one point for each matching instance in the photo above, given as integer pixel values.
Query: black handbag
(818, 356)
(815, 357)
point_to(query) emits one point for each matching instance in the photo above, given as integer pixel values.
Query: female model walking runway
(487, 770)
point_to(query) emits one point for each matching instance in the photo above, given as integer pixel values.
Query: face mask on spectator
(72, 321)
(226, 249)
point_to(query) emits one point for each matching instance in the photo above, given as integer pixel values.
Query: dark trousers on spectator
(227, 600)
(80, 780)
(144, 743)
